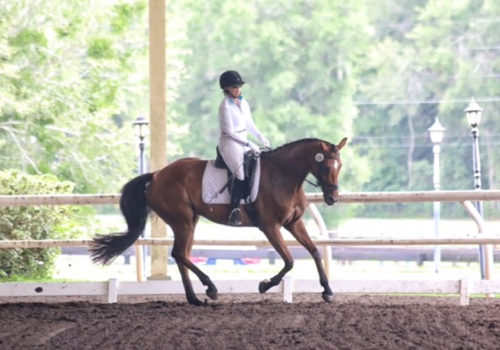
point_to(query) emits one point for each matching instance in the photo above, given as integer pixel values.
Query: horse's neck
(294, 162)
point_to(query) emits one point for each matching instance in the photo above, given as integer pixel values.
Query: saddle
(249, 168)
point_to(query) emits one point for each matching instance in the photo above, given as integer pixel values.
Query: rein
(318, 184)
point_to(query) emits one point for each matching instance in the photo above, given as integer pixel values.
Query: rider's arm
(251, 127)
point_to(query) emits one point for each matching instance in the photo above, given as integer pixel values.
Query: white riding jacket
(235, 122)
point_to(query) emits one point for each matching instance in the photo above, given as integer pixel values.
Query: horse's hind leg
(298, 230)
(184, 234)
(276, 239)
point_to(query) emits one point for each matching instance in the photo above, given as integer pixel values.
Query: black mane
(311, 139)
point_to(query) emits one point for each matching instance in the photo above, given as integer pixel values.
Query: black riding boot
(236, 191)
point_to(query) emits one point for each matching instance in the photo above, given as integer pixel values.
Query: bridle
(323, 170)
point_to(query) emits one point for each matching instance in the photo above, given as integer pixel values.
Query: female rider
(235, 120)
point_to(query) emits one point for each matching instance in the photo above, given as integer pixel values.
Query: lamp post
(141, 123)
(141, 129)
(473, 113)
(436, 133)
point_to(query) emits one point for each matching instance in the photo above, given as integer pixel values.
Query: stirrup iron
(235, 217)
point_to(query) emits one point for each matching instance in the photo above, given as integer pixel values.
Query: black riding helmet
(230, 78)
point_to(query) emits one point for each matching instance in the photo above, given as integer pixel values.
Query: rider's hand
(264, 141)
(253, 147)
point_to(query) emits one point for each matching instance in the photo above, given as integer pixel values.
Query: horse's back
(183, 170)
(176, 181)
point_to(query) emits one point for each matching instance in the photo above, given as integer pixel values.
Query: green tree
(72, 78)
(429, 58)
(33, 222)
(297, 58)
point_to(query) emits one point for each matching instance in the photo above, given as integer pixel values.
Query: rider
(235, 120)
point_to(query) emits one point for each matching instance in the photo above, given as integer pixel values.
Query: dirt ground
(251, 322)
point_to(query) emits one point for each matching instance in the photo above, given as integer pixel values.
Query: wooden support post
(138, 263)
(157, 121)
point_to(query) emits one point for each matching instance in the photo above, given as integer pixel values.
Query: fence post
(288, 289)
(464, 291)
(112, 290)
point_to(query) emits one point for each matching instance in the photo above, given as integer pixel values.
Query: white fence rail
(12, 244)
(346, 197)
(113, 288)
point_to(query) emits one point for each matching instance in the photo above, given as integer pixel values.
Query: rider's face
(234, 90)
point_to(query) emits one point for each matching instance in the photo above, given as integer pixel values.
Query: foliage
(73, 77)
(329, 68)
(297, 59)
(33, 222)
(429, 58)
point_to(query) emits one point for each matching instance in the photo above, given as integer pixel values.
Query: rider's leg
(236, 192)
(232, 152)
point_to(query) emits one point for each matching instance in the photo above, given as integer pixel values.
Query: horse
(174, 193)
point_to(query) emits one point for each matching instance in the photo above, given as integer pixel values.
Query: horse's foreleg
(188, 287)
(180, 252)
(298, 230)
(276, 239)
(211, 291)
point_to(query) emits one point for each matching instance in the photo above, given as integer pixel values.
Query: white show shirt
(235, 123)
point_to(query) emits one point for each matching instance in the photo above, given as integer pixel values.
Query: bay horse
(174, 193)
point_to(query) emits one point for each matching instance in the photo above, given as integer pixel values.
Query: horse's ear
(342, 143)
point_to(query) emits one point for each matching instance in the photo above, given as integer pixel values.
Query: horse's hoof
(327, 297)
(263, 286)
(196, 302)
(212, 293)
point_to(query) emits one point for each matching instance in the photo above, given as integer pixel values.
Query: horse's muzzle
(330, 194)
(329, 199)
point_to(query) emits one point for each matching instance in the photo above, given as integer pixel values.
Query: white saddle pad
(214, 179)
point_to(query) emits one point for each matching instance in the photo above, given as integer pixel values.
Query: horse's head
(326, 169)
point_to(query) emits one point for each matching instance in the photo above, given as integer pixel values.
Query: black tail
(105, 248)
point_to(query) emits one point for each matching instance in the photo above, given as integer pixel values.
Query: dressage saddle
(249, 167)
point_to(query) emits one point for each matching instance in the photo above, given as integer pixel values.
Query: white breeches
(232, 152)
